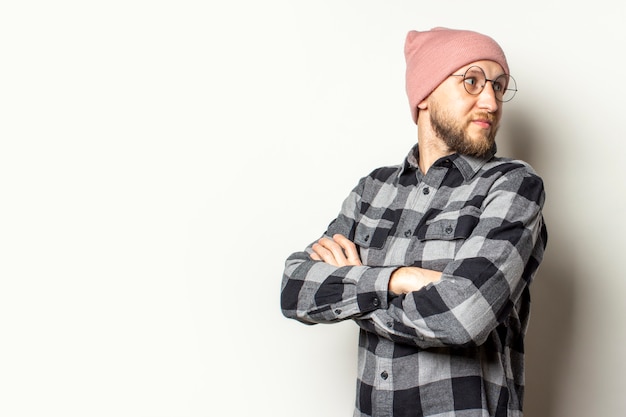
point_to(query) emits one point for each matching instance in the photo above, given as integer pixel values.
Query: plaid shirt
(455, 347)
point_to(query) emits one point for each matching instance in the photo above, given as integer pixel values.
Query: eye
(473, 84)
(471, 81)
(500, 84)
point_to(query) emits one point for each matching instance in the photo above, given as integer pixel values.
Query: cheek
(465, 105)
(498, 117)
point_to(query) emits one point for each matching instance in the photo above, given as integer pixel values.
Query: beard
(455, 134)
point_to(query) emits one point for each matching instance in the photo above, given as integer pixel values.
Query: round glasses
(474, 81)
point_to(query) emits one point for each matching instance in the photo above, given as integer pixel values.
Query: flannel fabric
(455, 347)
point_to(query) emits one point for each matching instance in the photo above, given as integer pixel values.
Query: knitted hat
(434, 55)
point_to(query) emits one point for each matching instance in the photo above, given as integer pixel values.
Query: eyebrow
(483, 70)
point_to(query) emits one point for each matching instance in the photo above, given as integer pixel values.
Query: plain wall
(159, 160)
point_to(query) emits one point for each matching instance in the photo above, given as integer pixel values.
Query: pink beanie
(434, 55)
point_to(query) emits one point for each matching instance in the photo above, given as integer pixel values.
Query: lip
(482, 123)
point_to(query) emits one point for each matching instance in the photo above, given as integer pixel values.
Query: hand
(338, 251)
(411, 278)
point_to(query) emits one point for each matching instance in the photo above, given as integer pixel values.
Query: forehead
(491, 68)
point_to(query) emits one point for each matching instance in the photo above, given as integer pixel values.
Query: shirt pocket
(371, 240)
(450, 225)
(368, 236)
(441, 237)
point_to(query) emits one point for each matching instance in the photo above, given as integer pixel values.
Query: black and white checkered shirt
(456, 347)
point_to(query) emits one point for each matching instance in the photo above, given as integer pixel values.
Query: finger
(349, 249)
(315, 256)
(336, 250)
(324, 254)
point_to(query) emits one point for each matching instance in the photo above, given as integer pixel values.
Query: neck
(430, 147)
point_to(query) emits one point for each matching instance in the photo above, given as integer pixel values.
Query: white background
(160, 159)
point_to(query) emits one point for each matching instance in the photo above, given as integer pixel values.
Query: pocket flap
(448, 228)
(370, 237)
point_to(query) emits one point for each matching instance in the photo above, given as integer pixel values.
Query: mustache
(490, 117)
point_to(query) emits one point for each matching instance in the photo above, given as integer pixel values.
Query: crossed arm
(340, 251)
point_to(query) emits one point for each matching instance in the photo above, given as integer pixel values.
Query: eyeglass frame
(492, 83)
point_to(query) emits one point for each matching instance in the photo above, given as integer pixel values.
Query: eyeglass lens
(504, 86)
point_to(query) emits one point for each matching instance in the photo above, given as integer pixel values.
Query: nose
(487, 98)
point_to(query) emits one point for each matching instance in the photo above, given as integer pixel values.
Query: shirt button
(375, 302)
(408, 233)
(426, 191)
(366, 238)
(449, 229)
(384, 375)
(338, 311)
(390, 324)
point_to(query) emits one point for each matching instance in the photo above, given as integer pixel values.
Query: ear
(422, 105)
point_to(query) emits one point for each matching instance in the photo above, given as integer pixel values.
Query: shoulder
(384, 174)
(508, 166)
(516, 175)
(379, 180)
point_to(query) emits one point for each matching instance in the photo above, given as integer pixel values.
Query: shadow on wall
(549, 339)
(550, 334)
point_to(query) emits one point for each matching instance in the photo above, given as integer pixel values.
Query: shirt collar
(467, 165)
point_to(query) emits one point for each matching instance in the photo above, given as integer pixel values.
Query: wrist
(398, 281)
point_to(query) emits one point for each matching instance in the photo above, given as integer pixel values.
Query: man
(433, 258)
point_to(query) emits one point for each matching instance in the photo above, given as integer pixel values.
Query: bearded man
(433, 258)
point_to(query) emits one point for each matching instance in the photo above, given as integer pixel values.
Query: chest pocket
(371, 237)
(371, 241)
(439, 239)
(450, 226)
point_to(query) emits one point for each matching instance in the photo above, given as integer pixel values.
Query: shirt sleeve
(482, 285)
(316, 292)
